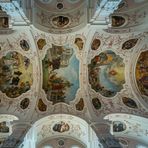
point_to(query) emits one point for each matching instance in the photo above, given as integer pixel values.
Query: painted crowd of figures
(15, 74)
(61, 127)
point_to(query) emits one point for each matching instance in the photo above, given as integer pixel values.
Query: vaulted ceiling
(87, 59)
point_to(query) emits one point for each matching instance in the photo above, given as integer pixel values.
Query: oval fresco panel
(95, 44)
(3, 127)
(117, 21)
(129, 44)
(118, 126)
(61, 127)
(24, 103)
(60, 5)
(16, 74)
(60, 74)
(80, 105)
(41, 43)
(42, 106)
(142, 73)
(96, 103)
(79, 42)
(129, 102)
(60, 21)
(106, 73)
(24, 45)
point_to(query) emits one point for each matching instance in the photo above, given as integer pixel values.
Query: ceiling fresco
(58, 66)
(106, 73)
(59, 62)
(72, 15)
(24, 103)
(142, 73)
(129, 44)
(16, 74)
(129, 102)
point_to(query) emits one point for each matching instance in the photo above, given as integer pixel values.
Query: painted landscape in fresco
(142, 73)
(106, 73)
(15, 74)
(60, 74)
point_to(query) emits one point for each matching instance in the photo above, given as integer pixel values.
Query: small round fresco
(42, 106)
(60, 6)
(106, 73)
(96, 103)
(61, 142)
(129, 44)
(95, 44)
(24, 45)
(24, 103)
(16, 74)
(129, 102)
(80, 105)
(41, 43)
(79, 43)
(119, 126)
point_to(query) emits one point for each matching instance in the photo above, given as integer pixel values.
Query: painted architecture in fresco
(15, 74)
(106, 73)
(142, 73)
(60, 74)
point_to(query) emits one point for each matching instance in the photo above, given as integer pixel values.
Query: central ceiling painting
(60, 74)
(106, 73)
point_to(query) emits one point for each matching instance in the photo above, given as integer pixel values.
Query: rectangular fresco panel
(60, 74)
